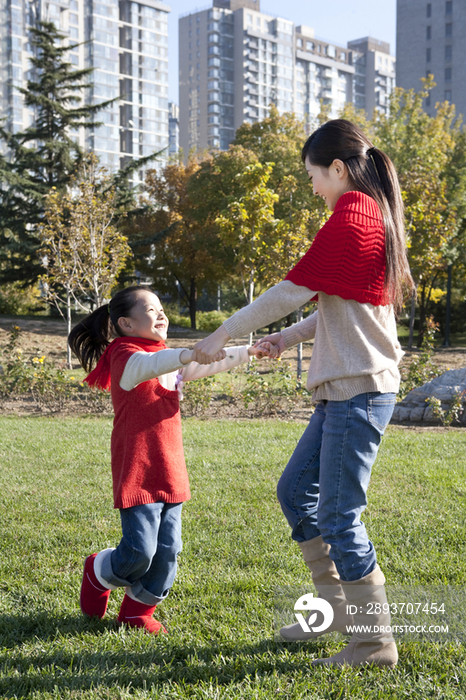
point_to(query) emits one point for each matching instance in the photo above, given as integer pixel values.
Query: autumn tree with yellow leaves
(81, 248)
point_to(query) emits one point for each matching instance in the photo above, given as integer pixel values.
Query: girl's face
(147, 319)
(329, 183)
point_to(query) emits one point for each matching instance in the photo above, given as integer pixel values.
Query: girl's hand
(187, 356)
(264, 350)
(276, 341)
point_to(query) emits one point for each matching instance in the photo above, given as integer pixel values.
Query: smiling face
(147, 319)
(329, 183)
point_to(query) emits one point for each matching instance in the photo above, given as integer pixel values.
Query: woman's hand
(275, 339)
(211, 348)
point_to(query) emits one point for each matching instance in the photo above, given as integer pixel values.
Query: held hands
(210, 349)
(274, 342)
(263, 349)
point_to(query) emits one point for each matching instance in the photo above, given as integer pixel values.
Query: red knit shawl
(347, 257)
(100, 376)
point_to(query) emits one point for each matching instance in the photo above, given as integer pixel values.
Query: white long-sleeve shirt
(166, 366)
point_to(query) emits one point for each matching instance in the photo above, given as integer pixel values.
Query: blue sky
(335, 20)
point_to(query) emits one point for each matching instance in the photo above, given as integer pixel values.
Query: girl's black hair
(89, 338)
(372, 172)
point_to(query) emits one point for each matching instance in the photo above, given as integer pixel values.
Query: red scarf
(100, 376)
(347, 256)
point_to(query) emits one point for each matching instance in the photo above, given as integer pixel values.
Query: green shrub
(207, 321)
(15, 300)
(453, 413)
(197, 396)
(48, 386)
(421, 369)
(250, 392)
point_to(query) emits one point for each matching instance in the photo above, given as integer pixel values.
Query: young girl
(150, 481)
(357, 265)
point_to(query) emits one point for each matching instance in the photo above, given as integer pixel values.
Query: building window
(448, 8)
(447, 73)
(448, 95)
(428, 55)
(299, 43)
(429, 10)
(428, 101)
(448, 53)
(448, 29)
(429, 32)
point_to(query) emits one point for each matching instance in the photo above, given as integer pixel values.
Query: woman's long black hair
(89, 338)
(372, 172)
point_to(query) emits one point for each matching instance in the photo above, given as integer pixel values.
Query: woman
(357, 265)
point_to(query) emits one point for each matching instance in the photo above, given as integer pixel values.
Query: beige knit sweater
(356, 349)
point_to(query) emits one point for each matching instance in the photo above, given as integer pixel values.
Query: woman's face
(329, 183)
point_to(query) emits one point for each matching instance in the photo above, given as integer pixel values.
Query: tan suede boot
(328, 584)
(372, 643)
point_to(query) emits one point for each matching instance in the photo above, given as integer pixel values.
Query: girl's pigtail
(90, 337)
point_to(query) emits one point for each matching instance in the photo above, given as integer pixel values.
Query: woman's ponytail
(398, 278)
(372, 172)
(89, 338)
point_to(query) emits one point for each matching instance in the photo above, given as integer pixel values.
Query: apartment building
(235, 61)
(173, 128)
(323, 75)
(375, 74)
(128, 49)
(429, 37)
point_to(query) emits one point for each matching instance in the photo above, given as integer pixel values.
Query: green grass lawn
(55, 495)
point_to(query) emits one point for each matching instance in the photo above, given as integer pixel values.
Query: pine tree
(44, 155)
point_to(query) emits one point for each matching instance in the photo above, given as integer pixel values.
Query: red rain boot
(136, 614)
(94, 597)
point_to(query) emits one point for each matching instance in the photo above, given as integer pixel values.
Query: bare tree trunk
(299, 370)
(411, 318)
(68, 321)
(193, 303)
(251, 296)
(422, 317)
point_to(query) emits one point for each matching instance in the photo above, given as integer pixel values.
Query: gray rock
(414, 407)
(417, 414)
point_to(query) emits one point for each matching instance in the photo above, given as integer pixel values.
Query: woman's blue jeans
(323, 488)
(146, 558)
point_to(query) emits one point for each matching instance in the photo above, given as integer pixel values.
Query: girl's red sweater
(148, 462)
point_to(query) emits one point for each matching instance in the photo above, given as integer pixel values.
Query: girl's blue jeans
(146, 558)
(323, 488)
